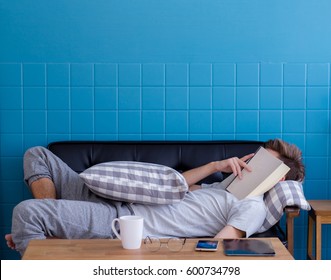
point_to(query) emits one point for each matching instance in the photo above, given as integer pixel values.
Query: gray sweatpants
(76, 213)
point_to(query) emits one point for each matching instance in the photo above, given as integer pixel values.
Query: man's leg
(40, 188)
(43, 218)
(10, 242)
(49, 177)
(43, 188)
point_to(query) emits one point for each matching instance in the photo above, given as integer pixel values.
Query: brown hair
(291, 155)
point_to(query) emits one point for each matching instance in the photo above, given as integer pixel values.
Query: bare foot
(10, 242)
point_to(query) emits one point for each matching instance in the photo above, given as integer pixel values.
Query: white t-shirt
(203, 213)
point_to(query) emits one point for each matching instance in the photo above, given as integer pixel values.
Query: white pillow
(284, 193)
(136, 182)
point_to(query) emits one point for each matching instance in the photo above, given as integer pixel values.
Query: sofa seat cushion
(136, 182)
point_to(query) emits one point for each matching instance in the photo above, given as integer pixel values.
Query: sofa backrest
(180, 155)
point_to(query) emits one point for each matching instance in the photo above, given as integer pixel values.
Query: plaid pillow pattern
(136, 182)
(284, 193)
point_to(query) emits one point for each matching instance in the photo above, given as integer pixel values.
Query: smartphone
(207, 245)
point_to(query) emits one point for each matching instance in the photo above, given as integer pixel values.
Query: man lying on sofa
(65, 208)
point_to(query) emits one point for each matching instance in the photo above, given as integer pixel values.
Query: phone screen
(207, 245)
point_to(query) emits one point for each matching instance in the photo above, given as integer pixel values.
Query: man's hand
(234, 165)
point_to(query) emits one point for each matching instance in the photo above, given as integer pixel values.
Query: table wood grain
(107, 249)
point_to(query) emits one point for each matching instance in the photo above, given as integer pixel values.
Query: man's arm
(244, 218)
(230, 232)
(233, 164)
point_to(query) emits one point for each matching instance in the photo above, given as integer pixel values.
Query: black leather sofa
(180, 155)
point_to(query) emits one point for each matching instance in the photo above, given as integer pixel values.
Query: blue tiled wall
(46, 102)
(165, 70)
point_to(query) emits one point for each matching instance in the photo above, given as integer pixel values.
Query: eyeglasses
(153, 243)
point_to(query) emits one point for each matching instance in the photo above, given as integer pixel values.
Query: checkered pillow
(136, 182)
(284, 193)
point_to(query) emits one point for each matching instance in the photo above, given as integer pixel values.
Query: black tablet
(248, 247)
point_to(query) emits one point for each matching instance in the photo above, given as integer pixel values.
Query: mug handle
(114, 229)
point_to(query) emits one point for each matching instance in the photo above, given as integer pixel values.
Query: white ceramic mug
(131, 231)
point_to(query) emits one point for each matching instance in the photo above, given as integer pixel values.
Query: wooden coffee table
(106, 249)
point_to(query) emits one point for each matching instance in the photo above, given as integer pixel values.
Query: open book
(267, 170)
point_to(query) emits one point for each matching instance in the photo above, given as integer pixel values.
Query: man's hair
(291, 155)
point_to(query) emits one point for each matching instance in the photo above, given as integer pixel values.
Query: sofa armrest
(291, 213)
